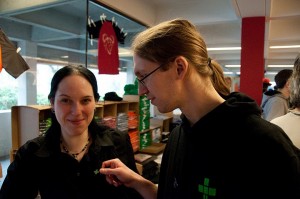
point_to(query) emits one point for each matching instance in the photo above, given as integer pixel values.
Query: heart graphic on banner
(108, 57)
(108, 42)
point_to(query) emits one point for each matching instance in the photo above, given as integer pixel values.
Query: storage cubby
(29, 121)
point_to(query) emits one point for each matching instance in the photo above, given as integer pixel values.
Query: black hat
(282, 77)
(112, 96)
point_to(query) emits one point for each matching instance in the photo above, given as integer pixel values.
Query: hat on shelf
(112, 96)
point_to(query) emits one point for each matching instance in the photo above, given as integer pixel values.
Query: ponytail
(218, 79)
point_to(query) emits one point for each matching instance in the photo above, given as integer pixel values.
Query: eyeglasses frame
(142, 80)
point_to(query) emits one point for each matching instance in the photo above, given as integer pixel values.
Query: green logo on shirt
(206, 190)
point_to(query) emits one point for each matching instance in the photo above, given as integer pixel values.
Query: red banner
(108, 57)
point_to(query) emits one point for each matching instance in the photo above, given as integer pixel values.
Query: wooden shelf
(26, 120)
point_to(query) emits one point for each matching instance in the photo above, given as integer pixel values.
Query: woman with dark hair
(275, 102)
(290, 122)
(64, 163)
(222, 148)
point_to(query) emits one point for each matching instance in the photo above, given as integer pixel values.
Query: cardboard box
(139, 168)
(131, 98)
(1, 171)
(154, 148)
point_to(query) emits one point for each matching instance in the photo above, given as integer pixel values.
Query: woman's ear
(287, 84)
(51, 101)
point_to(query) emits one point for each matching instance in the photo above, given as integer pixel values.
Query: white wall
(5, 133)
(137, 9)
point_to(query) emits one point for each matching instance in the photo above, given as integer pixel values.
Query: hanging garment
(108, 57)
(94, 28)
(12, 61)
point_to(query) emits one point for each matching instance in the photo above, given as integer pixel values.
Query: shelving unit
(26, 123)
(112, 108)
(26, 120)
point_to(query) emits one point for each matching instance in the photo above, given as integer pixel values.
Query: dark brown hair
(70, 70)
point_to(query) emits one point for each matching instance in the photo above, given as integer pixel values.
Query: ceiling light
(278, 47)
(280, 66)
(227, 73)
(271, 73)
(224, 48)
(125, 53)
(233, 66)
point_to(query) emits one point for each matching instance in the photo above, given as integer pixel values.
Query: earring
(52, 110)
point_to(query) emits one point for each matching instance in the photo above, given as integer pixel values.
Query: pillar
(252, 57)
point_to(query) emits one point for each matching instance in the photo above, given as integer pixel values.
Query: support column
(252, 57)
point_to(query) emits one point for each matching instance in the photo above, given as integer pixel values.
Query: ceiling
(58, 27)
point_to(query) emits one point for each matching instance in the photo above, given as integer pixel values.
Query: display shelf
(163, 121)
(112, 108)
(26, 120)
(26, 124)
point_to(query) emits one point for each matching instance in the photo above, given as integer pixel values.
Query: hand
(117, 173)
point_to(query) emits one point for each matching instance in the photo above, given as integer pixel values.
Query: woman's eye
(86, 101)
(64, 100)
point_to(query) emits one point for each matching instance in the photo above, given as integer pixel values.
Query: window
(59, 37)
(8, 90)
(109, 83)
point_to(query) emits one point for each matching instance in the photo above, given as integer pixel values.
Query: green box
(144, 122)
(145, 139)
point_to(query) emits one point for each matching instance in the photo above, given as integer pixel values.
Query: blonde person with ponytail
(222, 148)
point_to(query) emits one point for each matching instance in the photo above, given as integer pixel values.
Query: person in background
(65, 162)
(290, 122)
(275, 102)
(266, 84)
(222, 148)
(228, 81)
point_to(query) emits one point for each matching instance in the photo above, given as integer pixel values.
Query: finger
(105, 171)
(109, 180)
(116, 184)
(115, 178)
(106, 164)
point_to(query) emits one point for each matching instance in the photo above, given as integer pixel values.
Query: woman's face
(74, 105)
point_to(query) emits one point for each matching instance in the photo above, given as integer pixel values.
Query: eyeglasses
(142, 80)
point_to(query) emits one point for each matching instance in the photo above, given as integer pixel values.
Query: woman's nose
(76, 108)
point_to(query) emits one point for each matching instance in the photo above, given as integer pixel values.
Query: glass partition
(54, 34)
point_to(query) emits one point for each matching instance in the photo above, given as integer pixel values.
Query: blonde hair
(178, 37)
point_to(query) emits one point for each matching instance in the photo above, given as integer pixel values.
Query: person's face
(159, 86)
(74, 105)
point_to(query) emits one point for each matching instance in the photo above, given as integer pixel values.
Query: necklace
(74, 155)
